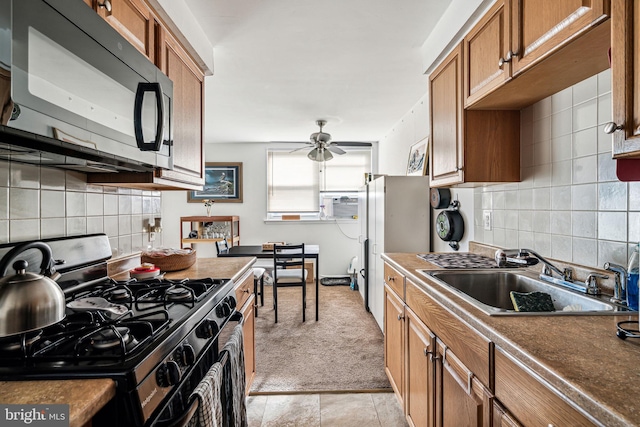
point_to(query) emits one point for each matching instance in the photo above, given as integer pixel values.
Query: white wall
(338, 240)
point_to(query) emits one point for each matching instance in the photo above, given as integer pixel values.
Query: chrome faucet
(522, 257)
(620, 285)
(526, 257)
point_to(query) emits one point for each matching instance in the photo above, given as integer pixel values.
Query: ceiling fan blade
(298, 149)
(335, 149)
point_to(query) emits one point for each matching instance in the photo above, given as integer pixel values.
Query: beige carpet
(343, 351)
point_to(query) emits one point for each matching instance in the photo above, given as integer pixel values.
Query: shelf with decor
(209, 229)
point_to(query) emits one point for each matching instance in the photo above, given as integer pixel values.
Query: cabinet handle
(400, 316)
(391, 279)
(458, 168)
(611, 127)
(247, 290)
(106, 4)
(427, 352)
(507, 58)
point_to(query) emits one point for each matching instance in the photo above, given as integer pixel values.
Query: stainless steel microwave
(75, 94)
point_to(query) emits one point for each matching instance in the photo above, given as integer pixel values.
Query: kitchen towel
(235, 347)
(209, 413)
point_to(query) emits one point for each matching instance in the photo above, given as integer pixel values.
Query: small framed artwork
(418, 158)
(222, 184)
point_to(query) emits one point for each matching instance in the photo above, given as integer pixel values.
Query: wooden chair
(288, 271)
(222, 247)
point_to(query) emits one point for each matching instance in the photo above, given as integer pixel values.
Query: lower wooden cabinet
(461, 399)
(531, 402)
(420, 372)
(502, 418)
(249, 333)
(394, 341)
(245, 302)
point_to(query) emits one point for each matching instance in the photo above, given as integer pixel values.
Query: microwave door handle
(137, 116)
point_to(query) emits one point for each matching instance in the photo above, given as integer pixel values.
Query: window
(297, 185)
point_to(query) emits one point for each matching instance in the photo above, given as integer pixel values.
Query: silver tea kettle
(29, 301)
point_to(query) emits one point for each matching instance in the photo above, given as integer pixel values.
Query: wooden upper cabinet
(545, 46)
(487, 53)
(133, 20)
(468, 146)
(625, 70)
(188, 110)
(89, 3)
(542, 26)
(446, 157)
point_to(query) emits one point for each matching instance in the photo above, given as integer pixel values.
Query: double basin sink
(489, 291)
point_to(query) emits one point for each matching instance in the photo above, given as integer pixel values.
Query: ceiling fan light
(326, 155)
(315, 155)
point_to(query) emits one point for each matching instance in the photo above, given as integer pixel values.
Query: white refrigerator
(395, 216)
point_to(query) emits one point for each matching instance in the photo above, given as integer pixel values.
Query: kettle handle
(46, 266)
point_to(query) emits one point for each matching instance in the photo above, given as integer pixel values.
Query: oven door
(74, 78)
(181, 407)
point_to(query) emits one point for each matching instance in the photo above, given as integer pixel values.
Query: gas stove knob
(168, 374)
(231, 301)
(207, 329)
(223, 310)
(185, 355)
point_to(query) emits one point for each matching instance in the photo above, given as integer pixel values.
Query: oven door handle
(186, 417)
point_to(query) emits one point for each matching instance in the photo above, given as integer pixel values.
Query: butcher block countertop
(580, 356)
(86, 397)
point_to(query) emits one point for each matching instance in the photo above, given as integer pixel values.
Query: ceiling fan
(322, 145)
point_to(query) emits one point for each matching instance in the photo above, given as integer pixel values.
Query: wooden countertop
(580, 356)
(86, 397)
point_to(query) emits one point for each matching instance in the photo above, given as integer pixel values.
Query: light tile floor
(325, 410)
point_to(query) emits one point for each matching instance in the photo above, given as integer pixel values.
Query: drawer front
(469, 346)
(531, 402)
(244, 289)
(394, 279)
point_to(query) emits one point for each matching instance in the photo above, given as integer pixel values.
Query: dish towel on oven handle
(209, 413)
(235, 347)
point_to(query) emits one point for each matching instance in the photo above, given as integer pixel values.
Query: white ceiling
(281, 64)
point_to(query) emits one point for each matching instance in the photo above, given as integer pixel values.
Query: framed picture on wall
(222, 183)
(418, 158)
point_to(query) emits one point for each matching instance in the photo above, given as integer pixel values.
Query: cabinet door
(394, 341)
(249, 341)
(461, 400)
(542, 26)
(188, 85)
(529, 400)
(487, 53)
(133, 20)
(502, 418)
(420, 372)
(625, 69)
(447, 128)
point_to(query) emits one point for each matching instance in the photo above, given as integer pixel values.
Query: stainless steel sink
(489, 291)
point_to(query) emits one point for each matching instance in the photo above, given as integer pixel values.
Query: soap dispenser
(632, 278)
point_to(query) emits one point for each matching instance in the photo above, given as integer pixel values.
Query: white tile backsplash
(38, 202)
(25, 176)
(585, 115)
(585, 90)
(570, 204)
(24, 203)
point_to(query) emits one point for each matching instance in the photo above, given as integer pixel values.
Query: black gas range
(156, 338)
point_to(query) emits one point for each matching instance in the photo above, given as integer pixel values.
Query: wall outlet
(486, 219)
(152, 236)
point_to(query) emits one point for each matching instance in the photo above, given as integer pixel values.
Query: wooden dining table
(310, 251)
